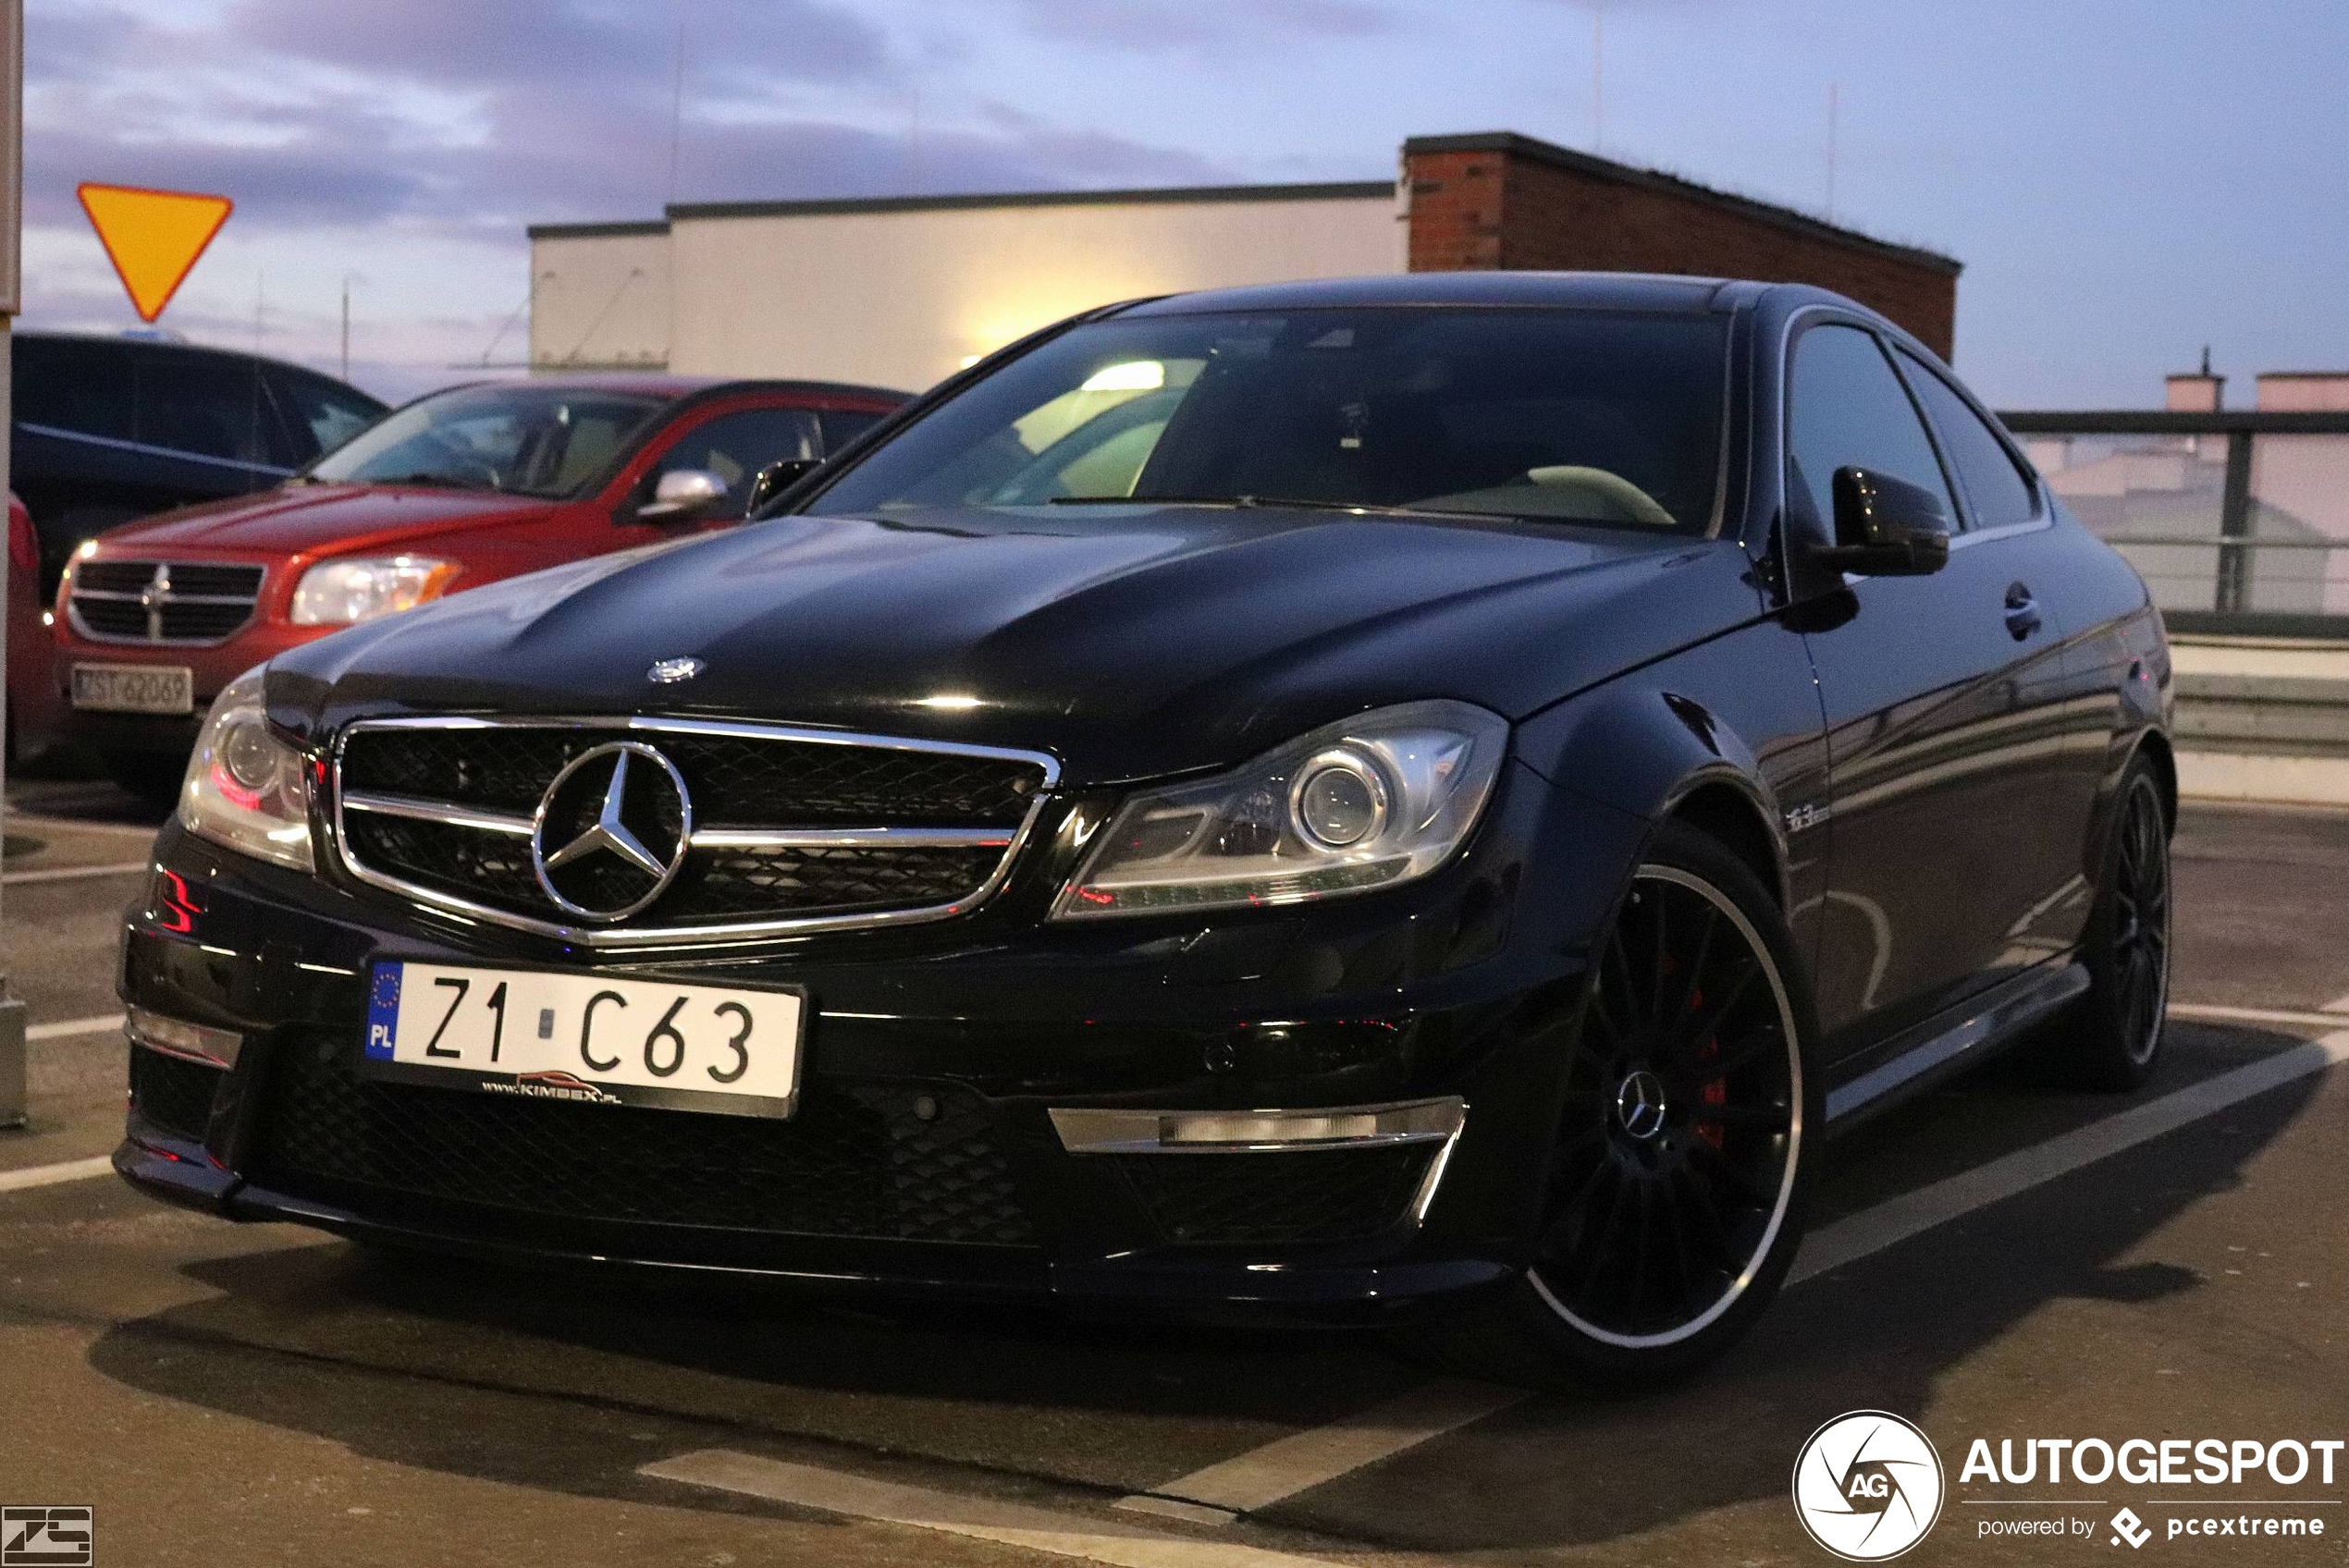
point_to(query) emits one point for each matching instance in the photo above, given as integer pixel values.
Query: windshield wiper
(1250, 503)
(442, 481)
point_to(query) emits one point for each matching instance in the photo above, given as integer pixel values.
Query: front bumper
(925, 1157)
(170, 736)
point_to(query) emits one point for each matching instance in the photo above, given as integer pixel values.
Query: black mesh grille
(492, 867)
(1262, 1199)
(747, 883)
(856, 1161)
(735, 782)
(173, 1094)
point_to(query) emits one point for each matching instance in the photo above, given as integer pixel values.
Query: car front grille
(162, 601)
(790, 829)
(855, 1160)
(1274, 1199)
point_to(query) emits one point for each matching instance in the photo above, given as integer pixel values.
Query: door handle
(2023, 611)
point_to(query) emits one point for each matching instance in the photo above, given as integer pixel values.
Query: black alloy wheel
(2116, 1036)
(1672, 1206)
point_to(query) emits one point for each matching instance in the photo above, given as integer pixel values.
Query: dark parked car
(460, 488)
(1427, 797)
(107, 429)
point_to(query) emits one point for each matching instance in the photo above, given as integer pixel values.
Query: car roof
(1583, 290)
(657, 384)
(172, 346)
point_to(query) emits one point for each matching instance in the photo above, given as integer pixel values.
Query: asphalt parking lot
(2002, 1260)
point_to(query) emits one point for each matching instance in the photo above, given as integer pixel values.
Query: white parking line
(71, 873)
(2329, 1017)
(38, 822)
(65, 1029)
(51, 1175)
(1888, 1224)
(1005, 1524)
(1288, 1465)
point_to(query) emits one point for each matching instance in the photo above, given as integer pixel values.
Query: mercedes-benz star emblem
(1639, 1104)
(619, 821)
(667, 672)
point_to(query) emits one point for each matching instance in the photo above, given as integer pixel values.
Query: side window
(1995, 488)
(735, 447)
(1847, 406)
(843, 425)
(213, 408)
(70, 384)
(324, 414)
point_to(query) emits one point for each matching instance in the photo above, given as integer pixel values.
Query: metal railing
(2239, 522)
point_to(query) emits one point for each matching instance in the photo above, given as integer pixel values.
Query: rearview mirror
(775, 478)
(683, 493)
(1885, 527)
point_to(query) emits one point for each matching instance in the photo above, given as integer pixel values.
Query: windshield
(529, 440)
(1575, 416)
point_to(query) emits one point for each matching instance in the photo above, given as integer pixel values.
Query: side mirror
(1885, 527)
(775, 478)
(681, 494)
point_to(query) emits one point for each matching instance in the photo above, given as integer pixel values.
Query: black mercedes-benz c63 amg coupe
(1426, 800)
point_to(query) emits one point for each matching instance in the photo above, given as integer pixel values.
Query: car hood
(305, 519)
(1129, 643)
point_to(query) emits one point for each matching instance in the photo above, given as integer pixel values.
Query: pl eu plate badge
(383, 1011)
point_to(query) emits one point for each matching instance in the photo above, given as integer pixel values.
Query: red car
(32, 698)
(455, 490)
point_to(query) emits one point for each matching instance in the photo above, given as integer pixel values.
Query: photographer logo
(1867, 1486)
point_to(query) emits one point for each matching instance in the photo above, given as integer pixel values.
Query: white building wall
(601, 297)
(903, 298)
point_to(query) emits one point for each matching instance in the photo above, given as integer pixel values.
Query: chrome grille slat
(439, 809)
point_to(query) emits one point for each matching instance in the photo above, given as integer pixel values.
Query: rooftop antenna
(2205, 359)
(1598, 77)
(677, 102)
(1834, 90)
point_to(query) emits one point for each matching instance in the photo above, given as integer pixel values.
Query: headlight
(1367, 804)
(339, 592)
(245, 788)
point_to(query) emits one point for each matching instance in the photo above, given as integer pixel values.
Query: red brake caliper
(1714, 1091)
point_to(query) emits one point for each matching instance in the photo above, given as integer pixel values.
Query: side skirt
(1949, 1042)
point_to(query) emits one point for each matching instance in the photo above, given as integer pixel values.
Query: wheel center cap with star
(611, 831)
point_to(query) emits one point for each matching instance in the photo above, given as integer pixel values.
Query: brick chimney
(2303, 391)
(1497, 201)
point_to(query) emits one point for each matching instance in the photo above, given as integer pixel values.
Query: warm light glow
(89, 547)
(48, 618)
(970, 359)
(1137, 375)
(946, 702)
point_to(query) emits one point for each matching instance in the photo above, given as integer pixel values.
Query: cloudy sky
(2125, 181)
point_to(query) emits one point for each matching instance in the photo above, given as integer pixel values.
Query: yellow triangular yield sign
(153, 237)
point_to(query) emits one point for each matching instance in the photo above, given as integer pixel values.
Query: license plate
(134, 688)
(586, 1038)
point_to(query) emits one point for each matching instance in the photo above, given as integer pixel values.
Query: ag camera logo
(1868, 1485)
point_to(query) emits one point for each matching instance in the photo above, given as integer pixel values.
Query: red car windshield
(527, 440)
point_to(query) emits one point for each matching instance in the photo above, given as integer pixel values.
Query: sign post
(12, 1073)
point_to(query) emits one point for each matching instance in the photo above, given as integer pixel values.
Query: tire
(1672, 1202)
(2113, 1041)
